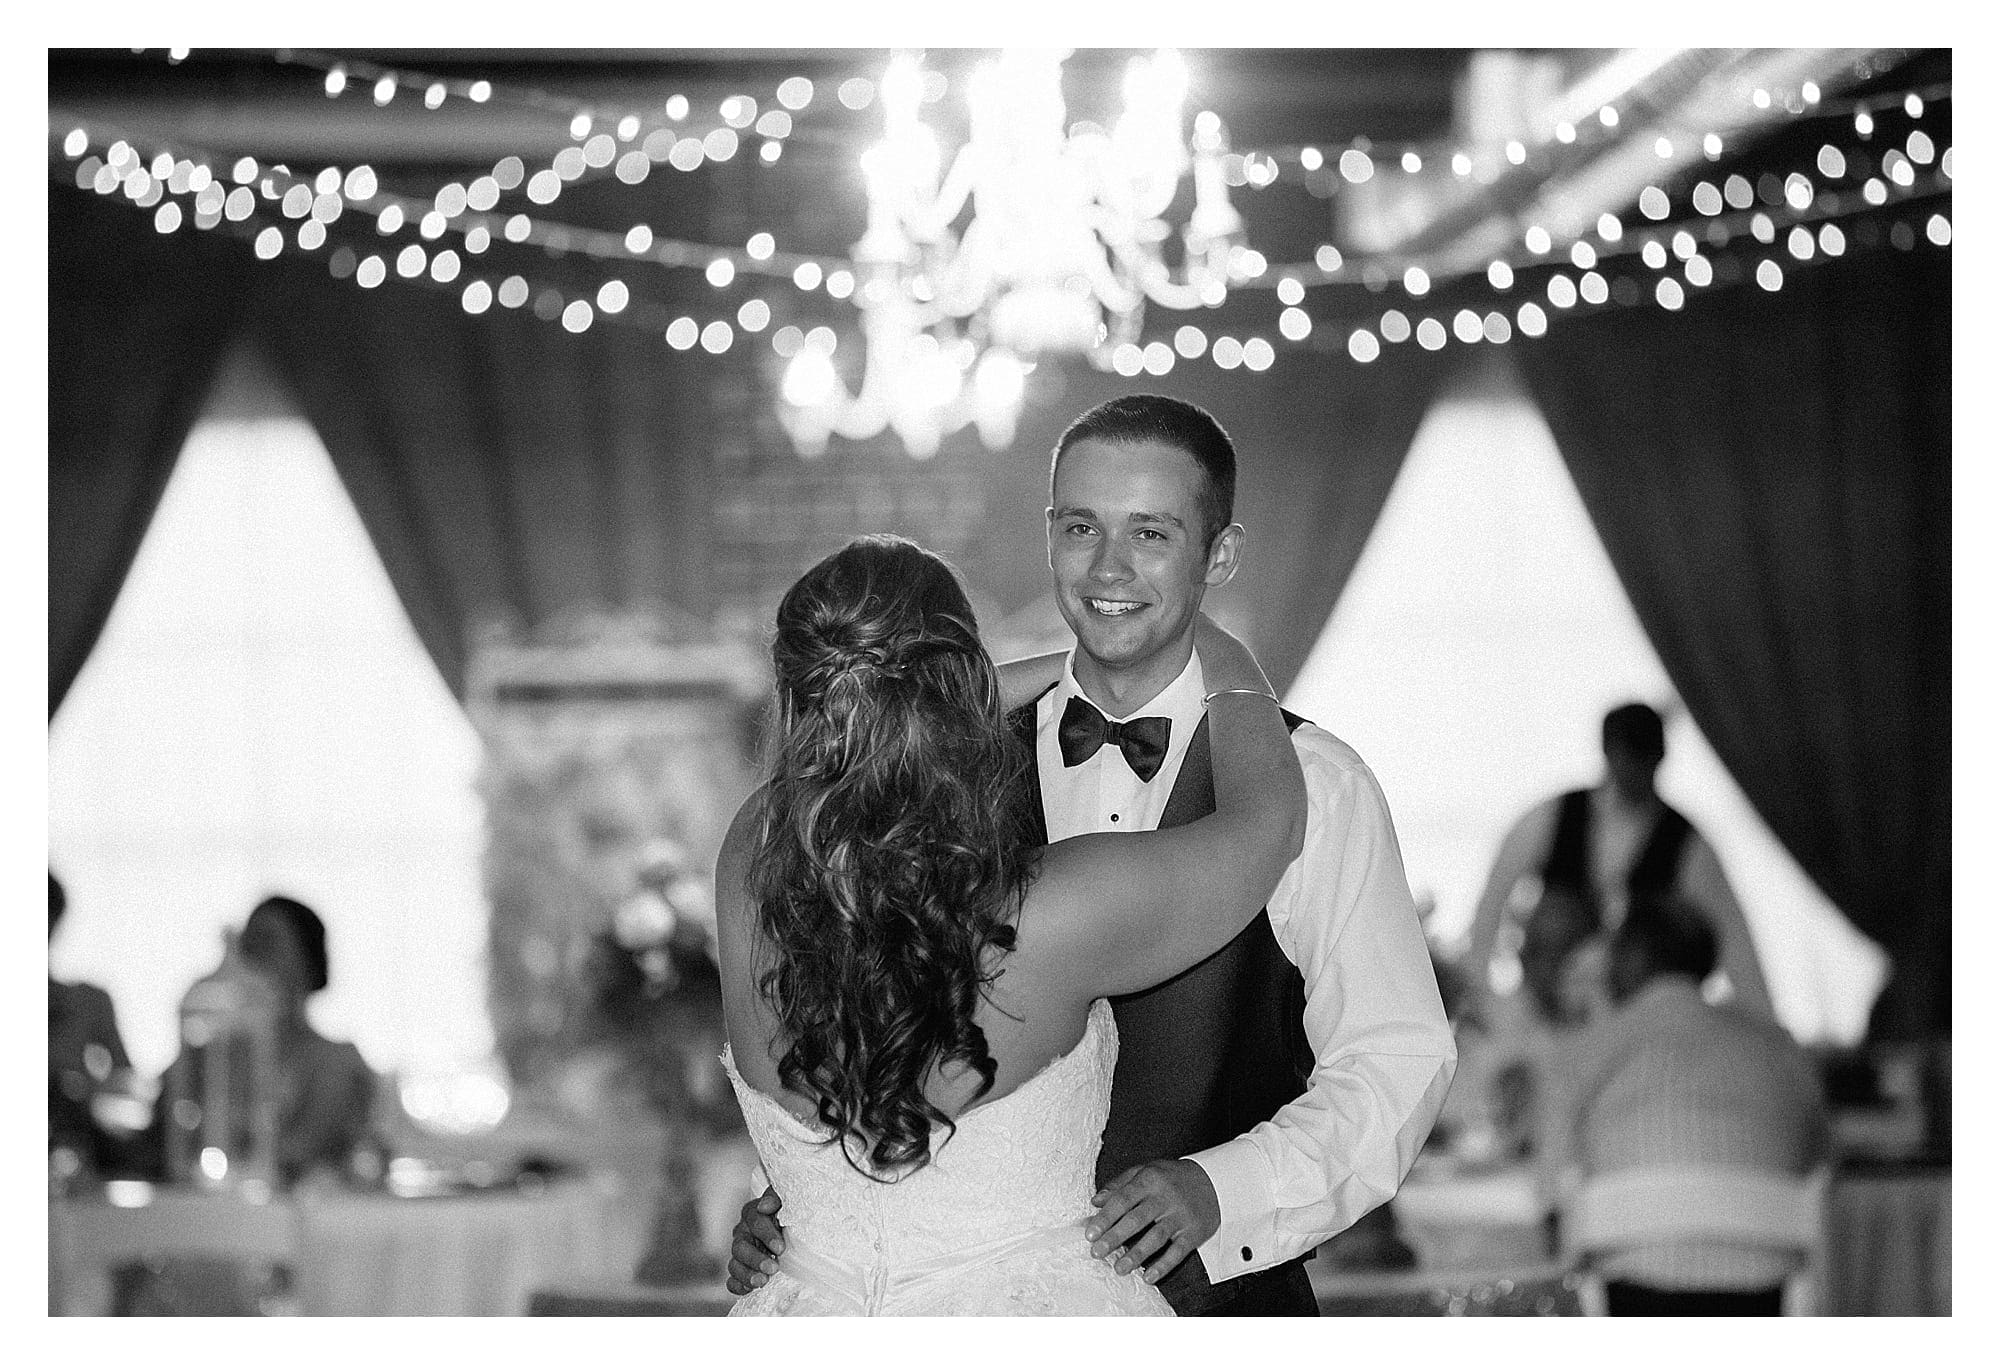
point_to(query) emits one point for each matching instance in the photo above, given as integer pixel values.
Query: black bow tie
(1085, 730)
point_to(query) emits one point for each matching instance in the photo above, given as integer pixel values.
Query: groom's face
(1127, 552)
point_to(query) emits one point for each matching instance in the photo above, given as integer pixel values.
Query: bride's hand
(1226, 662)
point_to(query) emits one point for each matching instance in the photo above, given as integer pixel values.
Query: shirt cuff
(1243, 1240)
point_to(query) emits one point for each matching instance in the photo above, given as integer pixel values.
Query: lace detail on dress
(979, 1230)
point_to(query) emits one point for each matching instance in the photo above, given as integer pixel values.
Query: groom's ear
(1225, 553)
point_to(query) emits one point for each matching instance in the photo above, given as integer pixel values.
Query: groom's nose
(1110, 563)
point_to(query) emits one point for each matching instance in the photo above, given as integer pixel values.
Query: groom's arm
(1383, 1050)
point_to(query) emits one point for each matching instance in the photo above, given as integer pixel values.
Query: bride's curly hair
(895, 846)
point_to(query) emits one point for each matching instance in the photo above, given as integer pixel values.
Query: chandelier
(1064, 242)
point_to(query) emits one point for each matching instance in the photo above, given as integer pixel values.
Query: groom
(1268, 1097)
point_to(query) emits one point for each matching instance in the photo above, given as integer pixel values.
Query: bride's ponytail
(894, 848)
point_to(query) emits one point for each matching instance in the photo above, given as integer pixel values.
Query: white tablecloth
(470, 1255)
(368, 1254)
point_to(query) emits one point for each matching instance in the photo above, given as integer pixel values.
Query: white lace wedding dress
(991, 1226)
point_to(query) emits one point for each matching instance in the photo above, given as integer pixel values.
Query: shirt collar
(1179, 700)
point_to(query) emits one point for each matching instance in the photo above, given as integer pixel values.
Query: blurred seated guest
(1613, 842)
(1667, 1079)
(325, 1104)
(87, 1065)
(326, 1092)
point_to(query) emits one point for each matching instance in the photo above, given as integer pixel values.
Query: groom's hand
(1153, 1216)
(757, 1243)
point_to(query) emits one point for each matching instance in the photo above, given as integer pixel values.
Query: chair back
(1651, 1205)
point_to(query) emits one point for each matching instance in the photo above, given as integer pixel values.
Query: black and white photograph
(1259, 679)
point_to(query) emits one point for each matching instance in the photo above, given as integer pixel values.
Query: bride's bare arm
(1022, 680)
(1119, 912)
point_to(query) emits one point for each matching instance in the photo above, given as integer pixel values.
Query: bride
(914, 992)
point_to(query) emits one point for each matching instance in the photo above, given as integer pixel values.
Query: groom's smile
(1130, 565)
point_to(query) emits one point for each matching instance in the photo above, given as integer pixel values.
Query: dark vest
(1209, 1054)
(1568, 864)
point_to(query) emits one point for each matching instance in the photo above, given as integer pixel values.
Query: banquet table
(355, 1253)
(1459, 1218)
(1886, 1249)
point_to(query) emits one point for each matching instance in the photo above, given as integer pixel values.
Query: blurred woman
(326, 1092)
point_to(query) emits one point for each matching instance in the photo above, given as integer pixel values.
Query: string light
(320, 200)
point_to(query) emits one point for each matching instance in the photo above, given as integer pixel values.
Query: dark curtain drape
(1771, 476)
(506, 470)
(138, 324)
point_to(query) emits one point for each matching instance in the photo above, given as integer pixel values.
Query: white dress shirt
(1343, 915)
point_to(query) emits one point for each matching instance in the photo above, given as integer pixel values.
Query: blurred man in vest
(1610, 843)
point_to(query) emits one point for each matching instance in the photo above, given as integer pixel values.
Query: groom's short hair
(1137, 417)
